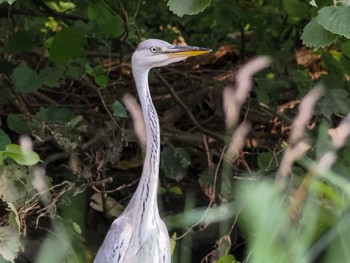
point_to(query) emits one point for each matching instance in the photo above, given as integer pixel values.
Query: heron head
(152, 53)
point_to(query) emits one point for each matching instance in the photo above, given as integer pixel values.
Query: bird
(139, 234)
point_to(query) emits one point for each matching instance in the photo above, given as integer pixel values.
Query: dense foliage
(281, 196)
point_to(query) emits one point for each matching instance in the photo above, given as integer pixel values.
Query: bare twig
(188, 111)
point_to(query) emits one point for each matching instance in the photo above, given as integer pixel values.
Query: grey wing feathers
(116, 242)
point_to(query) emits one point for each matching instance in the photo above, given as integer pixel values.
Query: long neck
(148, 185)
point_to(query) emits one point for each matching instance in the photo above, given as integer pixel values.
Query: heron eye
(154, 49)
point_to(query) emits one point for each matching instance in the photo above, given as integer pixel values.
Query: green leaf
(98, 74)
(101, 80)
(67, 44)
(315, 36)
(335, 19)
(98, 11)
(75, 68)
(25, 79)
(295, 8)
(61, 6)
(103, 23)
(14, 219)
(109, 27)
(267, 161)
(52, 77)
(175, 190)
(15, 184)
(173, 242)
(9, 243)
(54, 114)
(21, 156)
(187, 7)
(345, 2)
(18, 124)
(264, 217)
(7, 1)
(345, 49)
(174, 162)
(20, 42)
(334, 101)
(4, 140)
(313, 3)
(89, 70)
(75, 121)
(226, 259)
(119, 110)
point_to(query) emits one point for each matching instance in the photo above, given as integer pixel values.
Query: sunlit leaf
(25, 79)
(61, 6)
(226, 259)
(345, 2)
(173, 242)
(77, 228)
(187, 7)
(175, 190)
(315, 36)
(21, 156)
(7, 1)
(313, 3)
(335, 19)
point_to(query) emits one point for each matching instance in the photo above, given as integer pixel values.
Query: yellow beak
(185, 51)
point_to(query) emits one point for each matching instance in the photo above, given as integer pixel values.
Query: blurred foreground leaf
(187, 7)
(9, 243)
(15, 184)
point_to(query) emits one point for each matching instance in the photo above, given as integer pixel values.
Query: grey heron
(139, 234)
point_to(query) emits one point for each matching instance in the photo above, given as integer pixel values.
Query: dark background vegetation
(64, 69)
